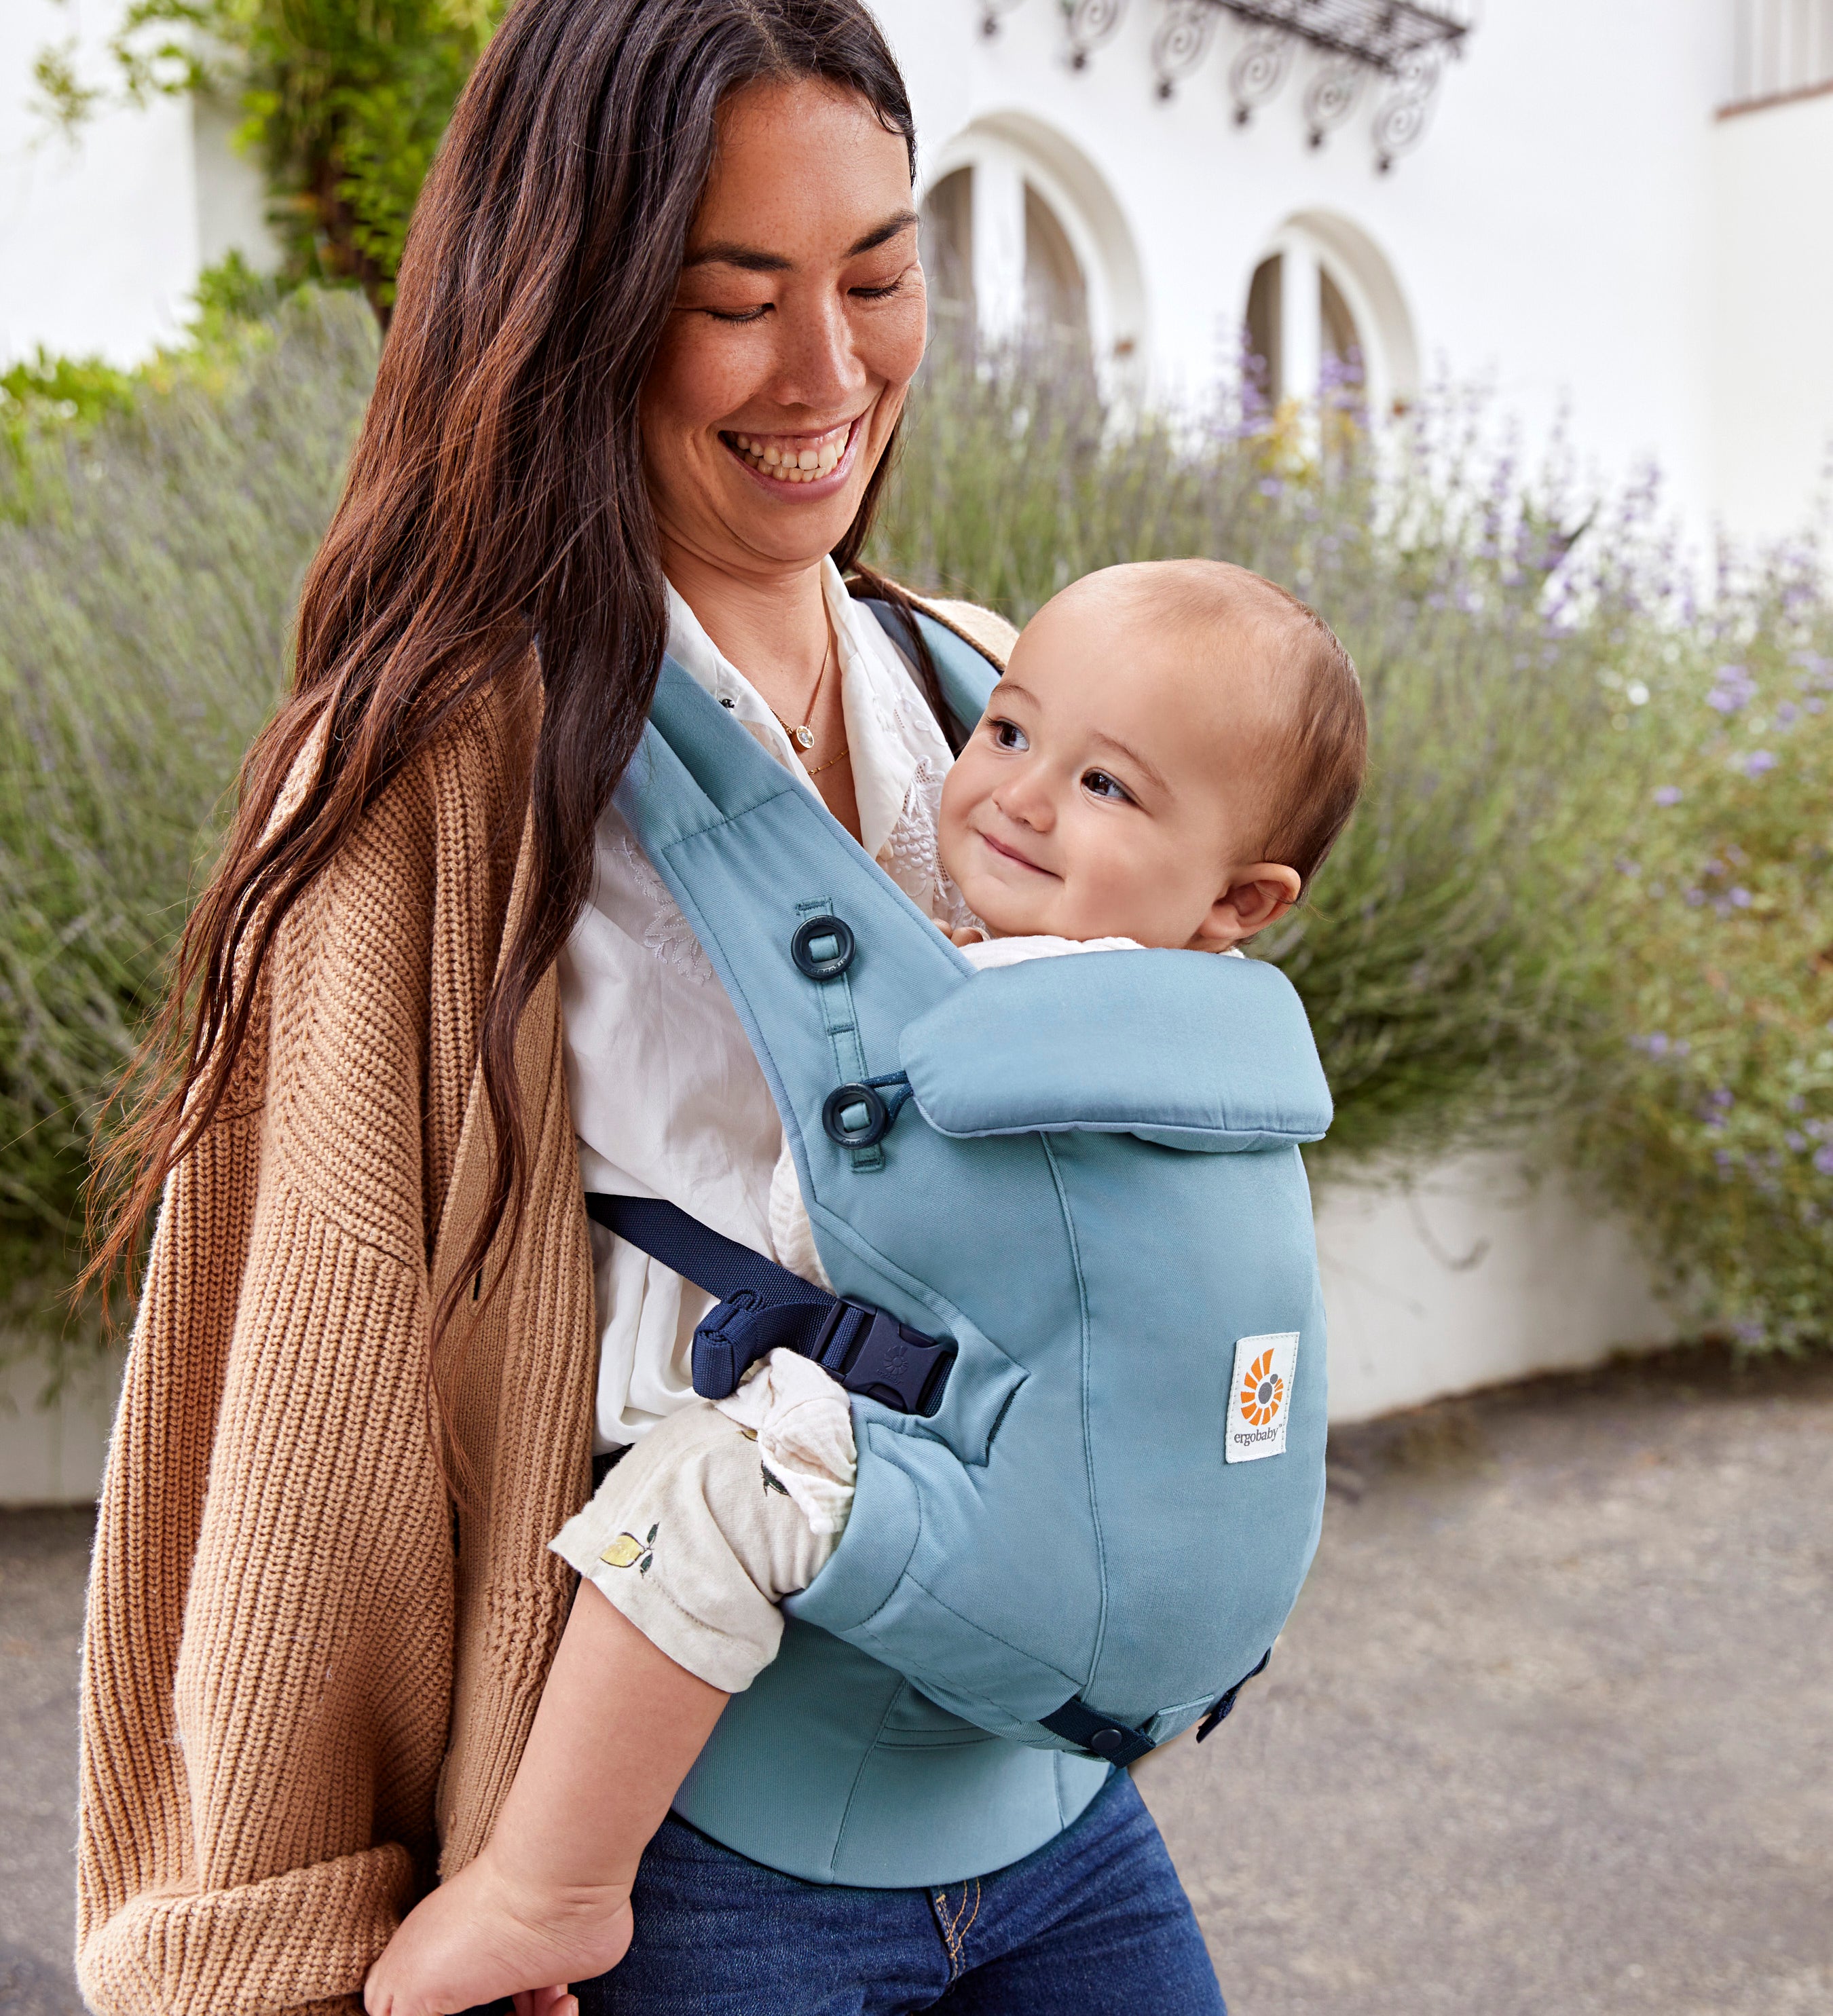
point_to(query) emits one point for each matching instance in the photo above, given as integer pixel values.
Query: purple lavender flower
(1824, 1161)
(1758, 761)
(1787, 714)
(1733, 687)
(1270, 486)
(1668, 794)
(1740, 897)
(1695, 898)
(1794, 1142)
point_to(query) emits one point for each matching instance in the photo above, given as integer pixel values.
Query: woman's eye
(740, 314)
(1099, 785)
(879, 293)
(1009, 735)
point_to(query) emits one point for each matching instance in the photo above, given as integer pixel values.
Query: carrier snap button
(854, 1116)
(1104, 1739)
(822, 947)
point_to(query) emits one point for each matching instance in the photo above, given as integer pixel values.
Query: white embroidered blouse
(668, 1100)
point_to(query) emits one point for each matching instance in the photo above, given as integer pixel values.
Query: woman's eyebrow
(750, 259)
(886, 231)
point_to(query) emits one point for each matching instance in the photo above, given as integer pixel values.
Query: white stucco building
(1615, 209)
(1612, 208)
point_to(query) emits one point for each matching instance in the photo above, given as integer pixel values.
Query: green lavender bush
(152, 548)
(1586, 902)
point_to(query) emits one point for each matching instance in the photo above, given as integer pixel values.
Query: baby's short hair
(1325, 752)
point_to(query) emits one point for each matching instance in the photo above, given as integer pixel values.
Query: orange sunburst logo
(1263, 1392)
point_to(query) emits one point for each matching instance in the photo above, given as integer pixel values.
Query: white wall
(1773, 311)
(1548, 231)
(103, 235)
(1469, 1274)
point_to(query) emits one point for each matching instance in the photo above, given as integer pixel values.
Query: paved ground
(1551, 1733)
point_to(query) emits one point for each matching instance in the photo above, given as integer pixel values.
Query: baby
(1172, 751)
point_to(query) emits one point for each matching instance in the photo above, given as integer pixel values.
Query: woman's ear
(1255, 897)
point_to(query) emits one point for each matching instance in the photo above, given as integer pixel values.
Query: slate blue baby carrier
(1064, 1204)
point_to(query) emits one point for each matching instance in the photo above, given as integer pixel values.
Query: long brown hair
(495, 515)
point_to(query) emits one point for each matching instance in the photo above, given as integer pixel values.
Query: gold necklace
(804, 737)
(829, 765)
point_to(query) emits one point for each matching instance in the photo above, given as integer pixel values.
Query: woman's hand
(484, 1935)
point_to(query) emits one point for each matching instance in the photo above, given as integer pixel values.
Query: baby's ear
(1254, 897)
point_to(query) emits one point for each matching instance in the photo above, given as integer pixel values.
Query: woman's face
(797, 324)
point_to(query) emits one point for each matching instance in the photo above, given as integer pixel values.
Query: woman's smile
(818, 465)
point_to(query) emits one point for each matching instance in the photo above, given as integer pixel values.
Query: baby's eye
(1099, 784)
(1009, 735)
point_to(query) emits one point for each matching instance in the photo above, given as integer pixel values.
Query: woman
(668, 249)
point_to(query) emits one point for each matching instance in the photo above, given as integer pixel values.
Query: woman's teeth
(793, 461)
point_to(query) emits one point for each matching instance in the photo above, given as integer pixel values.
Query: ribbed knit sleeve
(277, 1618)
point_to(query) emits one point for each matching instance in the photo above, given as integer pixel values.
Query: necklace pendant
(804, 736)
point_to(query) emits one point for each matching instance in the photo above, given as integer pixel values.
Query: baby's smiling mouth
(1012, 854)
(793, 458)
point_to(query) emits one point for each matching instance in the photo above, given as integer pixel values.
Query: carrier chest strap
(763, 1305)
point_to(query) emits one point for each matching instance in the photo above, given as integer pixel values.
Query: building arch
(1322, 288)
(1022, 231)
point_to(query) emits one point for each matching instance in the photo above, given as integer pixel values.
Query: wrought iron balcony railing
(1404, 43)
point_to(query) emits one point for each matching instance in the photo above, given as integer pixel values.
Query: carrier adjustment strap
(1220, 1710)
(764, 1305)
(1114, 1742)
(1099, 1735)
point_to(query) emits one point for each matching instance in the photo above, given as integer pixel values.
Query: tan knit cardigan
(307, 1677)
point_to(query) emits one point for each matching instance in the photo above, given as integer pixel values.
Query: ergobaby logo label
(1260, 1397)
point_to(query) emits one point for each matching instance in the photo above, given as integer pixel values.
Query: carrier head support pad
(1097, 1192)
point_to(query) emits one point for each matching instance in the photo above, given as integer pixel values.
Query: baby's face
(1115, 786)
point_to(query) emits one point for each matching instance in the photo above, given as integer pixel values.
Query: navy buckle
(874, 1354)
(1220, 1709)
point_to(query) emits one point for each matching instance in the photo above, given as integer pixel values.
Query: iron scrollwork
(1089, 23)
(1182, 42)
(1404, 41)
(990, 12)
(1331, 96)
(1401, 122)
(1258, 71)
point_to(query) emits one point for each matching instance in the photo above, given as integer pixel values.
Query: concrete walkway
(1551, 1733)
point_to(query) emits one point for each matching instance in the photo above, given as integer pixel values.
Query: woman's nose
(817, 364)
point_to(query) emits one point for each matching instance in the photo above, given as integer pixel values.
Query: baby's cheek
(950, 816)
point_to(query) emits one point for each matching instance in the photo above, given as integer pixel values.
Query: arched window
(1022, 239)
(1324, 311)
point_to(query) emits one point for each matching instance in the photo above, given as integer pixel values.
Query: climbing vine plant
(342, 101)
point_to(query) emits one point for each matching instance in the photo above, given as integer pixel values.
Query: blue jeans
(1094, 1924)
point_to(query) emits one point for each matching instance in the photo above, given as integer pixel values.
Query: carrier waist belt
(762, 1306)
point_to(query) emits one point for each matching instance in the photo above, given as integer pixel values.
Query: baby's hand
(482, 1936)
(961, 934)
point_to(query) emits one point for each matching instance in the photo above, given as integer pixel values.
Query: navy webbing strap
(1114, 1742)
(762, 1305)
